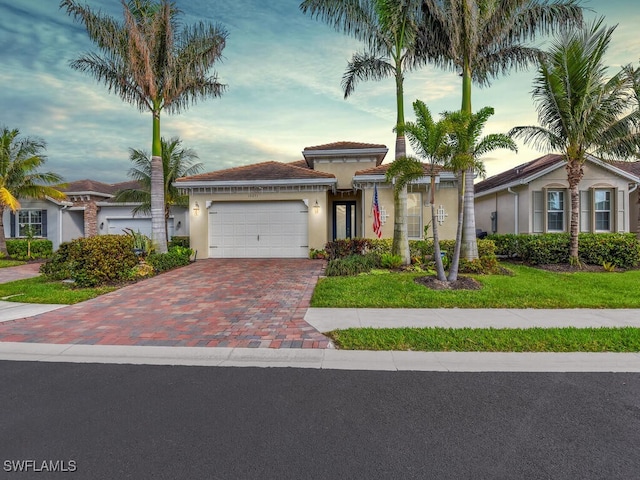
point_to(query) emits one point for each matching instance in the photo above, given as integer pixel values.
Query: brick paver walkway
(10, 274)
(225, 303)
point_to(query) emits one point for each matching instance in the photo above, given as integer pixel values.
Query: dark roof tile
(259, 171)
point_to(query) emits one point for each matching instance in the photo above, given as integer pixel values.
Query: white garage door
(258, 230)
(117, 226)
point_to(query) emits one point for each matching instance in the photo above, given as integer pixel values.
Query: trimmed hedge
(352, 264)
(177, 256)
(40, 248)
(347, 247)
(179, 241)
(93, 261)
(619, 249)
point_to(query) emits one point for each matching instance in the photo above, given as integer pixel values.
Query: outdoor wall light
(178, 225)
(316, 207)
(101, 225)
(196, 209)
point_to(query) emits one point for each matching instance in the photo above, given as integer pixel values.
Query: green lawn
(490, 340)
(38, 290)
(527, 288)
(10, 263)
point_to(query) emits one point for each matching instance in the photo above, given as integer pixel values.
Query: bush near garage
(179, 241)
(619, 249)
(93, 261)
(177, 256)
(40, 248)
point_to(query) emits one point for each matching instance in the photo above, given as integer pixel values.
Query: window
(602, 210)
(414, 215)
(32, 218)
(555, 210)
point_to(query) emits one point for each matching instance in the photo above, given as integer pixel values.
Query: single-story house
(275, 209)
(534, 198)
(88, 210)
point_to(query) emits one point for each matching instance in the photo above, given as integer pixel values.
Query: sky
(282, 69)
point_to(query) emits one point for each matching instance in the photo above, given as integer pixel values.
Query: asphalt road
(162, 422)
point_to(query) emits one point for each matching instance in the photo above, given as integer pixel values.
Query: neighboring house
(534, 198)
(88, 210)
(275, 209)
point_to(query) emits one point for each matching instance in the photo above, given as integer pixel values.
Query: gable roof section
(378, 173)
(631, 167)
(89, 187)
(526, 172)
(274, 173)
(345, 149)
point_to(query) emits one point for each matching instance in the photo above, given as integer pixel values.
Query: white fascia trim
(61, 203)
(256, 183)
(522, 181)
(618, 171)
(117, 204)
(347, 152)
(96, 194)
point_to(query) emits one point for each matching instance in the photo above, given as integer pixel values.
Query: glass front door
(344, 220)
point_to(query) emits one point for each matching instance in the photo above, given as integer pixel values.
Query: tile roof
(382, 169)
(259, 171)
(345, 146)
(630, 167)
(521, 171)
(88, 186)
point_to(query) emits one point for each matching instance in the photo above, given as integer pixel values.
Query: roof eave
(254, 183)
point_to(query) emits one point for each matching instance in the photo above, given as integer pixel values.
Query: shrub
(40, 248)
(620, 249)
(388, 260)
(179, 241)
(352, 265)
(93, 261)
(381, 245)
(177, 256)
(315, 254)
(344, 248)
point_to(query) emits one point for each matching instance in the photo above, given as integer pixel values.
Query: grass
(527, 288)
(10, 263)
(39, 290)
(625, 339)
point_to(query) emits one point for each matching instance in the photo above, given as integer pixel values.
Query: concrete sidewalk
(15, 310)
(328, 319)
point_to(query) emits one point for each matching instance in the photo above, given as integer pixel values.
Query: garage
(276, 229)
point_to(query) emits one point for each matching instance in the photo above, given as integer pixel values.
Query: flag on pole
(377, 224)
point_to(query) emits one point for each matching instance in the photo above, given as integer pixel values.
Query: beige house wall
(344, 168)
(447, 197)
(199, 224)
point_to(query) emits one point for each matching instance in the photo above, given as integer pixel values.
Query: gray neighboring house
(534, 197)
(88, 210)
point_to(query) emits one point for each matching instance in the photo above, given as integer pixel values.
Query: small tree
(20, 157)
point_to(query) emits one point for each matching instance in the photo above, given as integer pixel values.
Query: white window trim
(563, 210)
(421, 223)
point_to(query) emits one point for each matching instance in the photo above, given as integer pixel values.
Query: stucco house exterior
(88, 210)
(275, 209)
(534, 198)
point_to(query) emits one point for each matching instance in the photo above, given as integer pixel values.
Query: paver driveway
(225, 303)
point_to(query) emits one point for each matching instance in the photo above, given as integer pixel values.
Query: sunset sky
(282, 70)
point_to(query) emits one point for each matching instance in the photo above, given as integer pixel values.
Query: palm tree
(580, 110)
(20, 157)
(481, 40)
(389, 29)
(429, 139)
(176, 162)
(467, 149)
(149, 62)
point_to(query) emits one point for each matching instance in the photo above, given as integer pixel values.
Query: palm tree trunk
(455, 261)
(3, 240)
(400, 245)
(469, 242)
(158, 228)
(574, 175)
(437, 257)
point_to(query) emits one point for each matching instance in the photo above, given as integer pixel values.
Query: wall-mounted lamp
(178, 225)
(316, 207)
(196, 209)
(101, 225)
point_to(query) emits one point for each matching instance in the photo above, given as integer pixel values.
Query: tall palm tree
(176, 162)
(429, 139)
(20, 157)
(481, 40)
(148, 61)
(468, 147)
(389, 30)
(581, 110)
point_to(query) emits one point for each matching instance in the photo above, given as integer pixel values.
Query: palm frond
(363, 67)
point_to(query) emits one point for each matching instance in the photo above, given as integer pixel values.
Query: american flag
(377, 225)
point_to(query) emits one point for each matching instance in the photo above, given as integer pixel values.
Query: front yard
(527, 288)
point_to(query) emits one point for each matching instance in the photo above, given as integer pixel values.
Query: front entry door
(344, 220)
